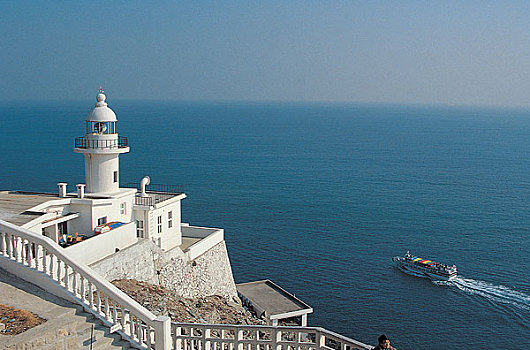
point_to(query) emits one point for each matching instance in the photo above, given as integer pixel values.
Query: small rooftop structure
(268, 299)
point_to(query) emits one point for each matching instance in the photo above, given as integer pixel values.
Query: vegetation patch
(15, 321)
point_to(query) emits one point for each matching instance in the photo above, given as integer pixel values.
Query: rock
(214, 309)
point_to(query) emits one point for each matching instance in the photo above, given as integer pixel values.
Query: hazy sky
(455, 52)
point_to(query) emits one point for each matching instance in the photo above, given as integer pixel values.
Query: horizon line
(297, 102)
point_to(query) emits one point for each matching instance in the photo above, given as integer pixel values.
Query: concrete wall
(139, 262)
(209, 238)
(209, 274)
(103, 245)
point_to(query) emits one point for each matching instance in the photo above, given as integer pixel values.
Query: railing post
(239, 337)
(16, 246)
(162, 333)
(206, 333)
(131, 324)
(58, 270)
(114, 312)
(66, 278)
(37, 250)
(74, 282)
(3, 244)
(44, 261)
(98, 301)
(82, 283)
(52, 272)
(107, 308)
(90, 295)
(276, 338)
(321, 341)
(21, 250)
(178, 341)
(9, 249)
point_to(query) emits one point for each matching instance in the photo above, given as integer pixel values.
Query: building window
(123, 208)
(116, 176)
(63, 228)
(102, 220)
(159, 222)
(140, 228)
(170, 219)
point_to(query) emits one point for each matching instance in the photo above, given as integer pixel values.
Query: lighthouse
(102, 147)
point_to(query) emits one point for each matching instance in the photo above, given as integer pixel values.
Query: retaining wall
(207, 274)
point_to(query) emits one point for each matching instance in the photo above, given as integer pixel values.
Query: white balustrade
(190, 336)
(39, 253)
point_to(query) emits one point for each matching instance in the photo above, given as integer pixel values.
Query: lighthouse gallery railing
(82, 142)
(27, 250)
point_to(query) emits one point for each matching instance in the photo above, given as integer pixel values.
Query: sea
(319, 197)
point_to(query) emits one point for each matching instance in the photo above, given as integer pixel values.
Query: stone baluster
(52, 266)
(66, 277)
(2, 243)
(106, 308)
(90, 295)
(131, 324)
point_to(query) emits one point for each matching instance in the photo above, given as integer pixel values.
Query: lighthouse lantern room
(101, 146)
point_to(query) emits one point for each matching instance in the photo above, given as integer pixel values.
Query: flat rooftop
(14, 205)
(276, 302)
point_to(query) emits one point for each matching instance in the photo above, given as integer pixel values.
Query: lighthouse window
(123, 208)
(116, 176)
(159, 224)
(100, 128)
(170, 219)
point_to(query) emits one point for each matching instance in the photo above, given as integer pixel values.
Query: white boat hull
(424, 272)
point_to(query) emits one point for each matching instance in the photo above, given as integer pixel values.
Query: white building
(127, 214)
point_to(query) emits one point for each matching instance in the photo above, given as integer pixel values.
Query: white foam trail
(495, 293)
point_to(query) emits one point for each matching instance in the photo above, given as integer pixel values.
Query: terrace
(154, 193)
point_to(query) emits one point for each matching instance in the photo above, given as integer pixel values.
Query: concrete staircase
(68, 326)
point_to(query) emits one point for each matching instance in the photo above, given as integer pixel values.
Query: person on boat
(383, 343)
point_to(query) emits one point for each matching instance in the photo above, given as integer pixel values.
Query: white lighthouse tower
(101, 146)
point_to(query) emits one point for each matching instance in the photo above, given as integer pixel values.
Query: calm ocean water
(318, 198)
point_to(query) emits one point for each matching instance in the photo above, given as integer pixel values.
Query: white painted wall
(210, 237)
(170, 237)
(103, 245)
(99, 172)
(83, 224)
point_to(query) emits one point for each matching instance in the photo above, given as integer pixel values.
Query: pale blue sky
(435, 52)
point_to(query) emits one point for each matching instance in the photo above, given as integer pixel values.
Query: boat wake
(492, 292)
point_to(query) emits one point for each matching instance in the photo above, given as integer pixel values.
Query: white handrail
(115, 308)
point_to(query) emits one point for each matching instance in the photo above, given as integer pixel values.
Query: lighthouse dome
(101, 112)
